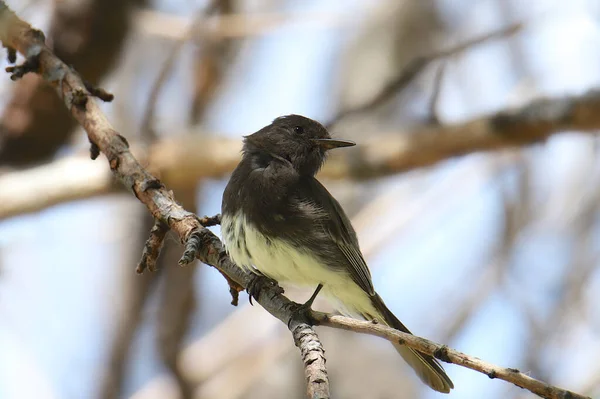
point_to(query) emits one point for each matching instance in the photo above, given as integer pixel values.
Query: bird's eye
(298, 129)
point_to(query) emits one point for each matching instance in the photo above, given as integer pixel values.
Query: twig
(446, 354)
(99, 92)
(208, 221)
(435, 95)
(234, 288)
(152, 247)
(210, 64)
(416, 66)
(165, 71)
(148, 116)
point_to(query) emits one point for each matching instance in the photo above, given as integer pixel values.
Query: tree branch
(416, 66)
(446, 354)
(184, 160)
(166, 70)
(201, 243)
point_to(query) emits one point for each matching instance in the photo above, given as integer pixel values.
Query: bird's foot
(259, 282)
(302, 313)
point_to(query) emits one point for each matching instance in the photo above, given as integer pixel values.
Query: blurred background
(495, 254)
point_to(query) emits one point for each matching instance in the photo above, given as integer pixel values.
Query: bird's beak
(329, 144)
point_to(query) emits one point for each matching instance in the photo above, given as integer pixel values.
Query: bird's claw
(259, 282)
(303, 312)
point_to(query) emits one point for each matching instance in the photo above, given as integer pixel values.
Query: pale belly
(276, 259)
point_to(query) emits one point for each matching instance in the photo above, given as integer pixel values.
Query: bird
(278, 221)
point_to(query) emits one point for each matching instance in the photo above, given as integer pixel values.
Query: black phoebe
(279, 221)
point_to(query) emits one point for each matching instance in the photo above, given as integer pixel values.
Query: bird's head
(301, 141)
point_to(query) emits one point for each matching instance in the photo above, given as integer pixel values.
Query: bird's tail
(427, 368)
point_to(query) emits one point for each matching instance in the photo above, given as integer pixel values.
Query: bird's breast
(274, 257)
(233, 230)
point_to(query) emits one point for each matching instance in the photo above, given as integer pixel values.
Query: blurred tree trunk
(128, 315)
(393, 36)
(176, 303)
(211, 62)
(86, 34)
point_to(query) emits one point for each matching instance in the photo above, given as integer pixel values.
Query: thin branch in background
(161, 204)
(236, 26)
(416, 66)
(435, 95)
(210, 64)
(167, 68)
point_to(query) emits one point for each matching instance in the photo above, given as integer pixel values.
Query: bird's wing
(338, 231)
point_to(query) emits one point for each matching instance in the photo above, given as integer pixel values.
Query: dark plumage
(278, 219)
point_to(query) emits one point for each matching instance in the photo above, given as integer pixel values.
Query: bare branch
(152, 247)
(446, 354)
(167, 67)
(416, 66)
(210, 64)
